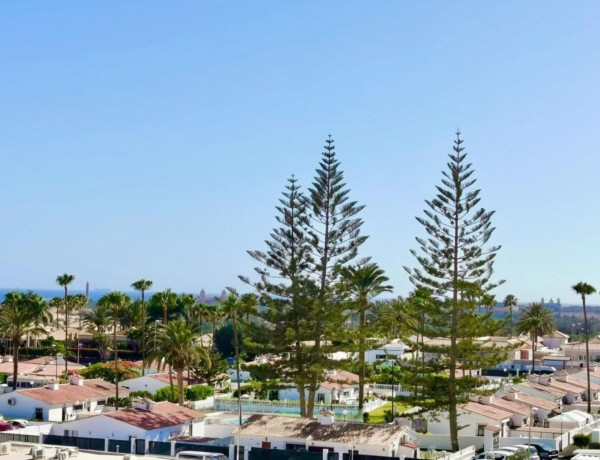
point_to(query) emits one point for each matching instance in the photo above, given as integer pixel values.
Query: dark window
(480, 430)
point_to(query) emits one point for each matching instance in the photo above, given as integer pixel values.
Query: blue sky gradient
(152, 139)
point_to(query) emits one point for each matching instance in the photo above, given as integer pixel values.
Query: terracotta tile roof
(164, 377)
(164, 414)
(495, 429)
(7, 368)
(342, 377)
(557, 335)
(357, 433)
(487, 411)
(544, 388)
(50, 369)
(516, 407)
(566, 386)
(67, 393)
(582, 383)
(535, 401)
(277, 426)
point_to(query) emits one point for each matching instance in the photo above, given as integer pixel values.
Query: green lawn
(376, 416)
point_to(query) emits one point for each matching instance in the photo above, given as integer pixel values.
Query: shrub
(167, 394)
(198, 392)
(141, 394)
(582, 440)
(123, 402)
(365, 417)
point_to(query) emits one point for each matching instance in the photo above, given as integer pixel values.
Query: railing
(349, 411)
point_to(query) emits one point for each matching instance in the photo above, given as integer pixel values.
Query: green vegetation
(453, 280)
(382, 414)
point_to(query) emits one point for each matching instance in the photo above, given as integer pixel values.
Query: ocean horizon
(95, 294)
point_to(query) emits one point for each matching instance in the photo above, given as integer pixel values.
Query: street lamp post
(531, 409)
(58, 356)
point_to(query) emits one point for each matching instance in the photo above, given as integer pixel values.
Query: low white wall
(442, 441)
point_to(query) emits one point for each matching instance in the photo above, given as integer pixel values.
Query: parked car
(5, 426)
(18, 423)
(497, 454)
(533, 453)
(545, 453)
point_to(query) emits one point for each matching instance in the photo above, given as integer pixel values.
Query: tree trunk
(66, 330)
(143, 330)
(587, 357)
(16, 344)
(533, 340)
(180, 385)
(116, 361)
(361, 362)
(171, 378)
(300, 383)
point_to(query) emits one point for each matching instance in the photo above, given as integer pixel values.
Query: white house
(473, 419)
(56, 402)
(293, 433)
(555, 340)
(338, 387)
(154, 382)
(570, 420)
(394, 349)
(145, 420)
(37, 372)
(244, 375)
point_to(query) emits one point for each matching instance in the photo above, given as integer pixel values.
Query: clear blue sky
(152, 139)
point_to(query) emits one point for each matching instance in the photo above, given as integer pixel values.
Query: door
(266, 445)
(39, 413)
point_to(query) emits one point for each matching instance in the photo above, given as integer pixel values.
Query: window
(346, 393)
(480, 430)
(380, 356)
(320, 397)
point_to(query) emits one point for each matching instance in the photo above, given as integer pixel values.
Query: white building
(56, 403)
(280, 432)
(555, 340)
(339, 387)
(154, 382)
(145, 420)
(394, 349)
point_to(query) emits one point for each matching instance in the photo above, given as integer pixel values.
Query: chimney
(142, 404)
(563, 378)
(10, 359)
(512, 396)
(326, 417)
(489, 399)
(545, 379)
(473, 398)
(53, 385)
(76, 380)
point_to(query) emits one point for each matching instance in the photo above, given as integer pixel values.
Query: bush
(198, 392)
(167, 394)
(582, 440)
(141, 394)
(365, 417)
(123, 402)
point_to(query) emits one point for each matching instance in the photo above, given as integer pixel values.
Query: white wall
(98, 426)
(469, 422)
(24, 407)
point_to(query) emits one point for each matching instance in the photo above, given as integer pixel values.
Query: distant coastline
(95, 294)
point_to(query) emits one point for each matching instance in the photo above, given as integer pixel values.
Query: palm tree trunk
(533, 340)
(16, 344)
(66, 329)
(361, 362)
(143, 329)
(116, 361)
(180, 385)
(587, 357)
(171, 378)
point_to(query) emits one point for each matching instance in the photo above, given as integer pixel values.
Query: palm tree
(115, 301)
(536, 320)
(64, 280)
(510, 301)
(176, 347)
(249, 305)
(585, 289)
(97, 319)
(167, 300)
(231, 307)
(20, 315)
(363, 282)
(56, 304)
(142, 286)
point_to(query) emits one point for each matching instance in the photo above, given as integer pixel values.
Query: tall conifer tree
(286, 290)
(334, 230)
(456, 267)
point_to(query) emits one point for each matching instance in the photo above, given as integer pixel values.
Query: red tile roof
(164, 377)
(164, 414)
(277, 426)
(7, 368)
(535, 401)
(357, 433)
(67, 393)
(494, 413)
